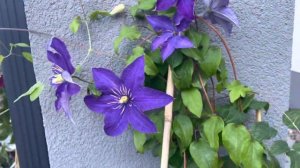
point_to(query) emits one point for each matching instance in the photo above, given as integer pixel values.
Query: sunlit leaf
(127, 32)
(237, 90)
(183, 128)
(192, 99)
(27, 56)
(203, 155)
(211, 128)
(75, 24)
(139, 141)
(33, 93)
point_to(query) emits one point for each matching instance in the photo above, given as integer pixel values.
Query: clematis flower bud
(117, 9)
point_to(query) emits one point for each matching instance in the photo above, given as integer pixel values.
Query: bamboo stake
(258, 116)
(167, 123)
(17, 164)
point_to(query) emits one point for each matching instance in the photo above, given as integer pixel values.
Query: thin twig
(213, 28)
(25, 30)
(83, 80)
(88, 33)
(214, 93)
(167, 123)
(205, 94)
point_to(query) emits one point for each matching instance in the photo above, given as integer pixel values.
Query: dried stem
(184, 160)
(213, 28)
(167, 123)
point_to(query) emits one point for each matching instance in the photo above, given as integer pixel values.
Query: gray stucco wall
(261, 47)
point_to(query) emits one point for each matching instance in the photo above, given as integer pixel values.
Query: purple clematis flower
(185, 8)
(124, 100)
(171, 34)
(62, 80)
(219, 13)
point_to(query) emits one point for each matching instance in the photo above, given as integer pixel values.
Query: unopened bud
(118, 9)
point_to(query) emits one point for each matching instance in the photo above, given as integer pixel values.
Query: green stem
(90, 50)
(83, 80)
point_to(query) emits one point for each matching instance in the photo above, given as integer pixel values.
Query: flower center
(123, 99)
(57, 79)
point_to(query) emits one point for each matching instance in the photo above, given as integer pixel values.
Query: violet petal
(139, 121)
(133, 75)
(160, 40)
(105, 80)
(99, 104)
(160, 23)
(186, 8)
(59, 55)
(227, 14)
(149, 99)
(164, 4)
(115, 123)
(219, 3)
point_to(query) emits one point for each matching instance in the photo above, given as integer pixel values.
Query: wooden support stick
(167, 123)
(258, 116)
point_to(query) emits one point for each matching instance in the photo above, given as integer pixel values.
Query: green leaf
(146, 4)
(194, 53)
(291, 118)
(279, 147)
(212, 60)
(183, 74)
(136, 52)
(134, 10)
(211, 128)
(237, 90)
(27, 56)
(93, 90)
(231, 114)
(20, 45)
(158, 120)
(127, 32)
(252, 155)
(195, 37)
(75, 24)
(222, 76)
(234, 137)
(203, 155)
(183, 128)
(139, 141)
(150, 67)
(1, 58)
(259, 105)
(33, 93)
(205, 43)
(262, 131)
(192, 99)
(97, 14)
(296, 146)
(294, 157)
(175, 59)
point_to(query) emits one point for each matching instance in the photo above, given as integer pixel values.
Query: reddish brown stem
(214, 93)
(184, 160)
(205, 94)
(213, 28)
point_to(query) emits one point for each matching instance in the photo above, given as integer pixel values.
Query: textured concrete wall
(262, 48)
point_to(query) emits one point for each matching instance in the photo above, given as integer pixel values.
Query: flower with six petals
(124, 100)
